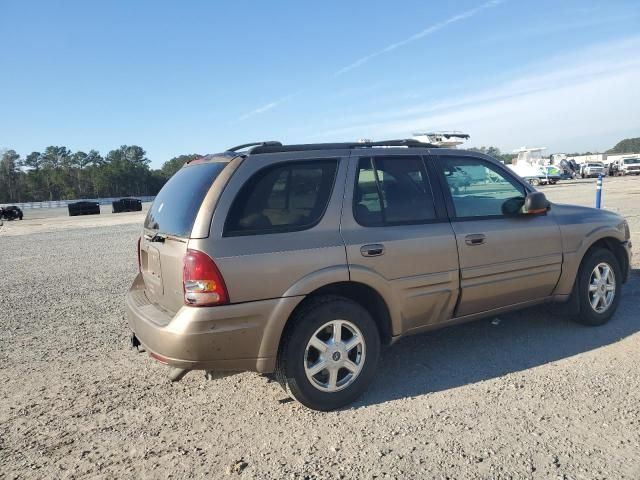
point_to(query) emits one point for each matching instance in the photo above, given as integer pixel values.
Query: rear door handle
(475, 239)
(372, 250)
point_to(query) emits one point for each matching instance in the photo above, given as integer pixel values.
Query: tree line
(57, 173)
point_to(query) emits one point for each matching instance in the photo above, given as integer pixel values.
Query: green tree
(172, 166)
(9, 176)
(55, 163)
(59, 173)
(33, 160)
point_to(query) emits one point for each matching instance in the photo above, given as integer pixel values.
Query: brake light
(139, 261)
(201, 280)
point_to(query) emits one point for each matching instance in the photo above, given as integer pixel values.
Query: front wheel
(599, 281)
(329, 354)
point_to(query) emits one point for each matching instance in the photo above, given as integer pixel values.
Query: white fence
(65, 203)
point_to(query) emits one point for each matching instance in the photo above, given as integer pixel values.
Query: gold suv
(303, 260)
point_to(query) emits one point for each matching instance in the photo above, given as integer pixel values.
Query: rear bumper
(226, 338)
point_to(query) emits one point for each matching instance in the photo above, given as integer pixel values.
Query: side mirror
(536, 203)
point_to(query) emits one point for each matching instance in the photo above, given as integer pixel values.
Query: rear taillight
(139, 261)
(201, 280)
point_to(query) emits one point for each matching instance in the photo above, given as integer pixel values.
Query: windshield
(595, 165)
(175, 208)
(628, 161)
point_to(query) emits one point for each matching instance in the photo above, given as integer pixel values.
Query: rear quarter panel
(259, 267)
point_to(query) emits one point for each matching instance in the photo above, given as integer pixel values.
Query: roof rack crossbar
(269, 143)
(277, 147)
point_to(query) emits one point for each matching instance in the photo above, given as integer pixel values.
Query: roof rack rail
(278, 147)
(254, 144)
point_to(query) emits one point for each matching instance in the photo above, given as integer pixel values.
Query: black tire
(290, 369)
(587, 314)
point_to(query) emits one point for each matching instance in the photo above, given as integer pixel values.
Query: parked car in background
(84, 208)
(301, 261)
(11, 212)
(628, 166)
(126, 205)
(592, 169)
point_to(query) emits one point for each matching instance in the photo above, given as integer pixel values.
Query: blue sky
(200, 76)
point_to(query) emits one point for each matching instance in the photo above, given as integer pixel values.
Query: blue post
(599, 191)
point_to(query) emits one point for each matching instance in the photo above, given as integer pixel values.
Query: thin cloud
(427, 31)
(586, 94)
(267, 107)
(389, 48)
(260, 110)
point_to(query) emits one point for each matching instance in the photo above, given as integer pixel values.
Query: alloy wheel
(334, 356)
(602, 287)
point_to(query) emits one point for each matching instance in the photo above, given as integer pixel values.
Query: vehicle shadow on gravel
(482, 350)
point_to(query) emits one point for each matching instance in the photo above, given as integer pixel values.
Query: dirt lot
(532, 396)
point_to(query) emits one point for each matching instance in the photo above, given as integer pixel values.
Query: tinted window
(175, 208)
(286, 197)
(392, 190)
(481, 189)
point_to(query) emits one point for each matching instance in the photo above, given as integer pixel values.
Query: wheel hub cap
(334, 356)
(602, 287)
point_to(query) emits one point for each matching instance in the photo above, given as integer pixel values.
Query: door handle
(475, 239)
(372, 250)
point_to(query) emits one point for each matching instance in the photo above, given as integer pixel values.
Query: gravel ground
(531, 396)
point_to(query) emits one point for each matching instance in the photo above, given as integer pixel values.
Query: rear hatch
(167, 229)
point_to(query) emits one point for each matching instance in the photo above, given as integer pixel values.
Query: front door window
(479, 189)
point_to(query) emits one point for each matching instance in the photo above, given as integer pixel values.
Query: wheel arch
(606, 237)
(614, 246)
(365, 295)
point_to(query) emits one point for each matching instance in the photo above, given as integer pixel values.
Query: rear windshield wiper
(156, 238)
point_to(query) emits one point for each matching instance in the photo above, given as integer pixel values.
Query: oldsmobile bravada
(302, 261)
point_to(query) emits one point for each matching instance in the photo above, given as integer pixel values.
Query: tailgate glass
(175, 208)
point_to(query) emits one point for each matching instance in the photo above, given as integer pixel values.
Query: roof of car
(271, 146)
(275, 146)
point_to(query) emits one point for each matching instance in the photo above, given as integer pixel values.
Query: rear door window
(175, 208)
(393, 191)
(286, 197)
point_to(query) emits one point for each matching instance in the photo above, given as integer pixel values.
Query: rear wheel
(599, 281)
(330, 353)
(535, 182)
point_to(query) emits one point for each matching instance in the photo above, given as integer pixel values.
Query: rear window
(175, 208)
(287, 197)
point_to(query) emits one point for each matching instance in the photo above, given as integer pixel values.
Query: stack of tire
(84, 208)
